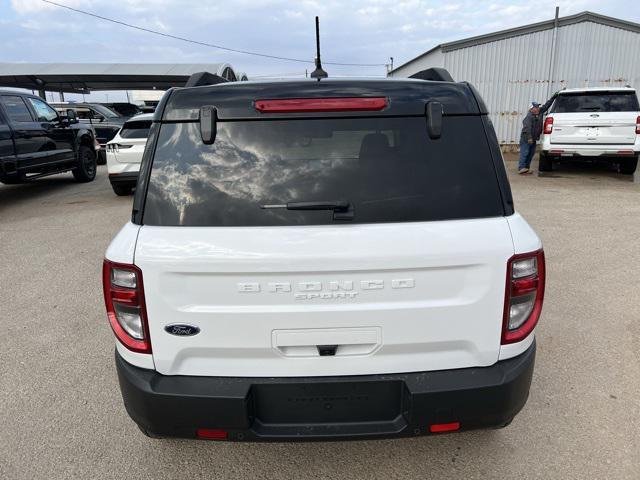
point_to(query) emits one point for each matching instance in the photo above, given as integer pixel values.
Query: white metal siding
(512, 72)
(434, 58)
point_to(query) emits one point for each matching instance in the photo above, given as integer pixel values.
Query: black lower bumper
(125, 179)
(263, 409)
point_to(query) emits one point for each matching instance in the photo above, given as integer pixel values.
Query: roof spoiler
(435, 73)
(199, 79)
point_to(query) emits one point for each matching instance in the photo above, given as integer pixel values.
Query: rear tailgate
(392, 298)
(412, 278)
(608, 128)
(129, 150)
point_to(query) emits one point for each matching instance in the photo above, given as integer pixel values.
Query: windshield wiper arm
(337, 205)
(342, 209)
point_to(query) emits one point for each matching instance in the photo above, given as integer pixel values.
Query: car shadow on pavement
(11, 194)
(594, 170)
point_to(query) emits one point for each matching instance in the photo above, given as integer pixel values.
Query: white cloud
(353, 31)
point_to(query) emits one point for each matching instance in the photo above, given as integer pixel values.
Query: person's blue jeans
(527, 151)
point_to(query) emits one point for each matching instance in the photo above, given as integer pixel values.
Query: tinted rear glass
(387, 168)
(139, 129)
(596, 102)
(126, 109)
(16, 108)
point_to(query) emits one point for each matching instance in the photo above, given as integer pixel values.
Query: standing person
(531, 131)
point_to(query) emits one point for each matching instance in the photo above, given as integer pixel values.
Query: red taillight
(212, 434)
(638, 125)
(301, 105)
(444, 427)
(524, 295)
(548, 125)
(124, 299)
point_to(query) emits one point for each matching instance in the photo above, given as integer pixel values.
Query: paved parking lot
(61, 414)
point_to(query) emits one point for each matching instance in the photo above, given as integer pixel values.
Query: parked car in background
(320, 260)
(124, 109)
(124, 153)
(589, 123)
(105, 122)
(35, 140)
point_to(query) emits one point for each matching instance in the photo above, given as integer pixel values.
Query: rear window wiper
(342, 209)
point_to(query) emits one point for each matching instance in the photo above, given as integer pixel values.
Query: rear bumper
(128, 178)
(267, 409)
(590, 150)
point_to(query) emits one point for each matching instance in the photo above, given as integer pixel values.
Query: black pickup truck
(36, 141)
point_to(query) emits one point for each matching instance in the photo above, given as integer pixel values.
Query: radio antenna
(318, 73)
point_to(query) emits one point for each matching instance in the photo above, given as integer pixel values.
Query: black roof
(236, 100)
(17, 92)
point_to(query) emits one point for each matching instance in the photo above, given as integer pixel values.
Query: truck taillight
(523, 296)
(638, 125)
(124, 299)
(548, 125)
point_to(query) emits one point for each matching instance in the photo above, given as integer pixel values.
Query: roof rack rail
(434, 73)
(199, 79)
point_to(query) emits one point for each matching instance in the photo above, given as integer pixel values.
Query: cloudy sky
(361, 32)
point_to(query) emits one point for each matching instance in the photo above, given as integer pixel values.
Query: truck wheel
(122, 190)
(628, 167)
(86, 169)
(545, 163)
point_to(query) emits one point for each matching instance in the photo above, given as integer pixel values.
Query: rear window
(387, 168)
(596, 102)
(16, 108)
(138, 129)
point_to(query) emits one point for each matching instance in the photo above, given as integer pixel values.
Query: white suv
(593, 122)
(314, 260)
(124, 153)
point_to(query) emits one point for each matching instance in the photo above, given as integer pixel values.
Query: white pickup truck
(593, 122)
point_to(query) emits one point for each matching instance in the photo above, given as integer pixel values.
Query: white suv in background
(124, 153)
(593, 122)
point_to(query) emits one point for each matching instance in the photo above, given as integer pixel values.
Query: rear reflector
(625, 152)
(300, 105)
(212, 434)
(444, 427)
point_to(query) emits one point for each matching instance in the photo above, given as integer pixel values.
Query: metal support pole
(62, 96)
(554, 46)
(42, 93)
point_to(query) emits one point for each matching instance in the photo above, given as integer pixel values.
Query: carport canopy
(87, 77)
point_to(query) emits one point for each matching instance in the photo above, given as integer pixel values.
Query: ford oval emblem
(182, 330)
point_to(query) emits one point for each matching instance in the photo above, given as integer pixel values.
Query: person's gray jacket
(532, 124)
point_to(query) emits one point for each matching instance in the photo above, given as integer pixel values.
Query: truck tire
(545, 163)
(122, 190)
(102, 157)
(628, 167)
(86, 168)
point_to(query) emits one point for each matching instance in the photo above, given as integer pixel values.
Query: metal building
(512, 67)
